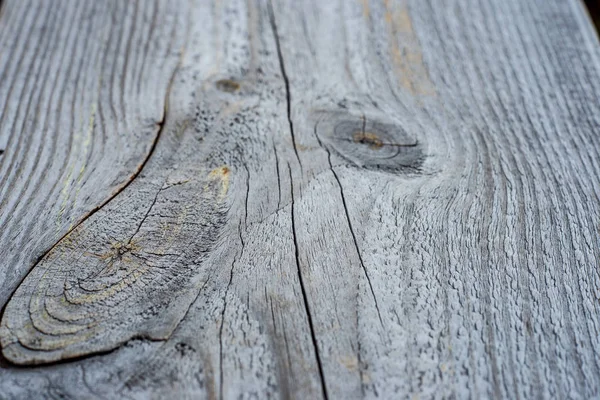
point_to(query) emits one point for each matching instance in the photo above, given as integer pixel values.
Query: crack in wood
(303, 289)
(221, 358)
(285, 79)
(341, 189)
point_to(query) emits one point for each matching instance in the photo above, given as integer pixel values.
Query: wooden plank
(347, 199)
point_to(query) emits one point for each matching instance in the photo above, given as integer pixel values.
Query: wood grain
(369, 199)
(74, 129)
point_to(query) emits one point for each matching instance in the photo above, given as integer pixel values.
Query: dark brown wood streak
(299, 199)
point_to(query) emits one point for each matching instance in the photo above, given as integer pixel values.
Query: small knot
(368, 138)
(228, 85)
(373, 145)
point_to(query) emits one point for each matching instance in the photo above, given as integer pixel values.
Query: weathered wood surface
(300, 199)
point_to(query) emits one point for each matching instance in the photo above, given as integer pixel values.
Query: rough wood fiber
(81, 106)
(347, 199)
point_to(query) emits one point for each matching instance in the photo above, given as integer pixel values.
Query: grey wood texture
(299, 199)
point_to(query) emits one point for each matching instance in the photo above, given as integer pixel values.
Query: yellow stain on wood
(366, 11)
(109, 291)
(368, 138)
(221, 174)
(350, 362)
(366, 377)
(30, 337)
(406, 51)
(302, 147)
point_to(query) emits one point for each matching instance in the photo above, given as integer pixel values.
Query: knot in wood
(375, 145)
(228, 85)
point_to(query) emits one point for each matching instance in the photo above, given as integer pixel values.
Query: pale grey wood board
(307, 199)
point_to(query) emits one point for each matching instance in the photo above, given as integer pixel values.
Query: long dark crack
(341, 188)
(247, 196)
(291, 126)
(285, 79)
(303, 289)
(278, 177)
(235, 260)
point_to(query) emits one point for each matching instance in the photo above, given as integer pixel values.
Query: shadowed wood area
(299, 199)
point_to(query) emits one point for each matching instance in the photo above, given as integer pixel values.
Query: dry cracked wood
(347, 199)
(131, 270)
(81, 106)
